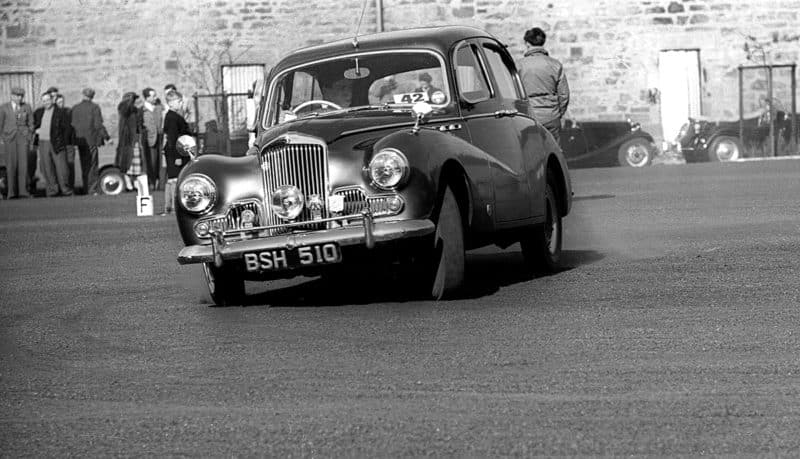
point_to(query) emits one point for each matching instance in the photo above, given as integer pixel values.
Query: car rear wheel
(725, 148)
(541, 248)
(635, 153)
(224, 286)
(112, 181)
(444, 273)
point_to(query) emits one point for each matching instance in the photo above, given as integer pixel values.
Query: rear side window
(471, 81)
(506, 84)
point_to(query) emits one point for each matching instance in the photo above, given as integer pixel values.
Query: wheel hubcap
(637, 155)
(727, 151)
(111, 184)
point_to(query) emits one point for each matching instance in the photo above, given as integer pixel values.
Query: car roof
(437, 38)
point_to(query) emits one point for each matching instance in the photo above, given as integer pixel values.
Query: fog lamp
(202, 229)
(395, 203)
(287, 202)
(248, 217)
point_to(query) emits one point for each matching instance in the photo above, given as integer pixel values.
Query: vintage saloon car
(702, 139)
(606, 144)
(398, 149)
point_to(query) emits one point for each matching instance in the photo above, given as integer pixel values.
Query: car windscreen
(394, 79)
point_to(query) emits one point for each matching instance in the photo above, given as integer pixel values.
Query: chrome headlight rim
(211, 195)
(397, 183)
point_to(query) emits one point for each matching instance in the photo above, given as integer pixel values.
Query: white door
(679, 83)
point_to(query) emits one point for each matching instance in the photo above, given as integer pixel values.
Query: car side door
(489, 121)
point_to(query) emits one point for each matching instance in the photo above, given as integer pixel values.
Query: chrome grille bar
(304, 165)
(355, 201)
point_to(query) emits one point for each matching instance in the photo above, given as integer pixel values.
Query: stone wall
(609, 47)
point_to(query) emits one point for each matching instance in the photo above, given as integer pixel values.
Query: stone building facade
(610, 48)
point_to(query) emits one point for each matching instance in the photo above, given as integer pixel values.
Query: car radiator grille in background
(355, 200)
(302, 165)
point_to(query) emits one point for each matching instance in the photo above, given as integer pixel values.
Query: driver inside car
(340, 92)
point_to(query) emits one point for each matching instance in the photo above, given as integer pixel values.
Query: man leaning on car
(545, 82)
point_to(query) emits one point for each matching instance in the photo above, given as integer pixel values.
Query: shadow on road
(486, 274)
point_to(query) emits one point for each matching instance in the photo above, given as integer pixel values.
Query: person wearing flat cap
(87, 121)
(16, 129)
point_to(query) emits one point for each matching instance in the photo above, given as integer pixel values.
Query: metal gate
(768, 110)
(222, 118)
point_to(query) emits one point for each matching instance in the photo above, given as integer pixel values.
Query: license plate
(299, 257)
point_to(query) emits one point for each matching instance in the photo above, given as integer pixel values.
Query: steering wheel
(322, 103)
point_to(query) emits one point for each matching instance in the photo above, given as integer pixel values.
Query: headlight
(198, 193)
(287, 202)
(388, 169)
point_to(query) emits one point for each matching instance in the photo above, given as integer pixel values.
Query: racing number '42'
(277, 259)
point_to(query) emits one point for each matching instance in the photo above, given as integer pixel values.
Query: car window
(471, 80)
(409, 87)
(398, 78)
(506, 84)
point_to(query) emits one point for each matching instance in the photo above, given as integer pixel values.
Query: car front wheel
(635, 153)
(444, 266)
(541, 248)
(224, 286)
(725, 148)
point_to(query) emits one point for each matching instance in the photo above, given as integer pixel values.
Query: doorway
(679, 83)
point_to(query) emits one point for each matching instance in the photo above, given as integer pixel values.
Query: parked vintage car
(606, 144)
(703, 139)
(398, 149)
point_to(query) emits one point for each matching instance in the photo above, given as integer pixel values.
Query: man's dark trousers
(89, 173)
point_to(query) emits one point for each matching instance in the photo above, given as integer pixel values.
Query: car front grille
(303, 165)
(355, 201)
(232, 220)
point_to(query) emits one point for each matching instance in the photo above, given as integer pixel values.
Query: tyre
(3, 183)
(541, 247)
(444, 267)
(225, 287)
(635, 153)
(111, 181)
(725, 148)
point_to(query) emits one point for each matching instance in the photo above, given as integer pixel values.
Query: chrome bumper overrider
(367, 235)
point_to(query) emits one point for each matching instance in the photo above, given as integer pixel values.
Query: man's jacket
(15, 123)
(87, 120)
(59, 127)
(545, 84)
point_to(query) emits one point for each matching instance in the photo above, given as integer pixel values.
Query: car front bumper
(364, 235)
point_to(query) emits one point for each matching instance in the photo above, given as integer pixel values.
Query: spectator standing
(51, 130)
(128, 158)
(174, 127)
(152, 134)
(545, 82)
(87, 121)
(16, 123)
(70, 139)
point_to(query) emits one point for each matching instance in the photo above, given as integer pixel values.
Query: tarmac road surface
(674, 331)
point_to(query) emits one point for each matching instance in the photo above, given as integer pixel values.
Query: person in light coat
(545, 82)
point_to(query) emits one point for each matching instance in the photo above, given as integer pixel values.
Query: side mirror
(187, 146)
